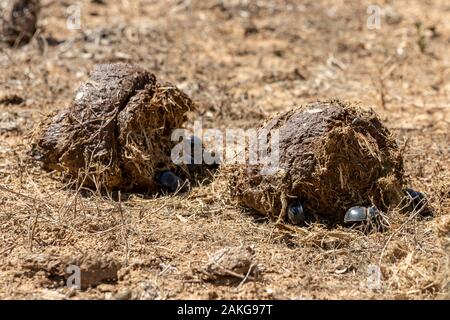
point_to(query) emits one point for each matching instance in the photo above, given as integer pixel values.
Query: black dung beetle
(418, 201)
(417, 198)
(296, 213)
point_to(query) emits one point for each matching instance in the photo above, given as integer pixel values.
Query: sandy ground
(240, 61)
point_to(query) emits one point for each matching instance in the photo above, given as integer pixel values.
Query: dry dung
(116, 133)
(18, 20)
(332, 155)
(231, 262)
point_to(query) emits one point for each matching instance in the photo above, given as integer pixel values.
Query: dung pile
(332, 156)
(18, 20)
(116, 133)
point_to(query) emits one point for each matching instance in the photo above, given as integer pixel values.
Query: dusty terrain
(240, 61)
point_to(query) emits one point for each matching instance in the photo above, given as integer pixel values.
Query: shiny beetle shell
(296, 213)
(355, 214)
(361, 214)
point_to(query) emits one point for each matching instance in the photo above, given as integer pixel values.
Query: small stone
(94, 269)
(106, 287)
(123, 295)
(47, 294)
(147, 290)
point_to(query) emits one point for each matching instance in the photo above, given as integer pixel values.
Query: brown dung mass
(116, 133)
(332, 156)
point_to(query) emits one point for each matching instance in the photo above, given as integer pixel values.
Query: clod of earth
(231, 262)
(116, 133)
(332, 156)
(169, 180)
(18, 20)
(93, 269)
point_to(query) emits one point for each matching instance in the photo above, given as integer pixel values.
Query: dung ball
(332, 155)
(116, 132)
